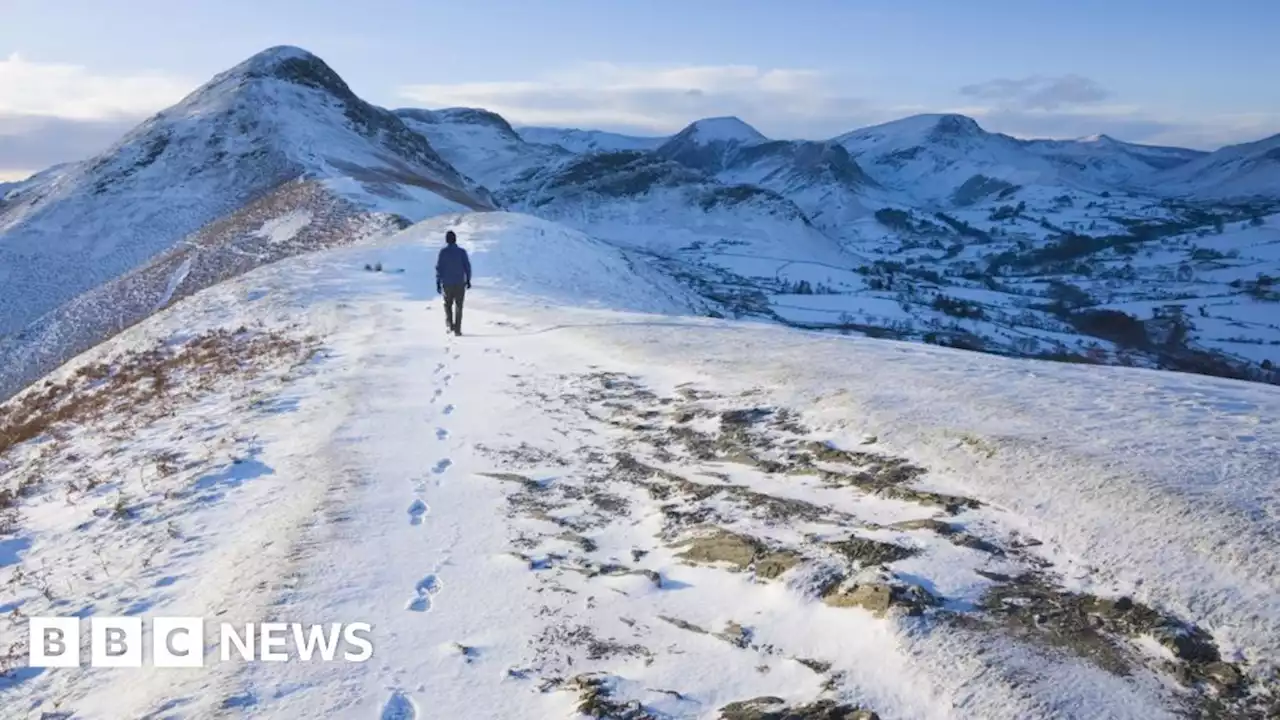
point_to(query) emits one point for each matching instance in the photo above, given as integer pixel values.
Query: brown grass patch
(136, 383)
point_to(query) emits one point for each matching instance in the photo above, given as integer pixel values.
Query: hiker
(453, 279)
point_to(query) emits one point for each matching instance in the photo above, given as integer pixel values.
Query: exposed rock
(722, 546)
(937, 526)
(1224, 675)
(595, 700)
(865, 552)
(817, 666)
(879, 596)
(587, 544)
(653, 575)
(529, 484)
(776, 563)
(876, 598)
(775, 708)
(740, 552)
(952, 504)
(1088, 624)
(735, 635)
(683, 624)
(1190, 644)
(976, 543)
(779, 508)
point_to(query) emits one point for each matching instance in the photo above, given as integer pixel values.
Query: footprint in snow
(440, 368)
(448, 409)
(399, 707)
(441, 433)
(442, 466)
(436, 395)
(426, 588)
(417, 511)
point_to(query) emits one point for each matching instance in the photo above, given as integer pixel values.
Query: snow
(284, 228)
(353, 488)
(929, 157)
(175, 280)
(412, 203)
(485, 149)
(1235, 171)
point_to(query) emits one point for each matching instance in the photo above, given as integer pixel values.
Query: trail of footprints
(399, 706)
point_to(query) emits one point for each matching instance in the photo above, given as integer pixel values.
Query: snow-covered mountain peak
(285, 63)
(915, 129)
(726, 129)
(710, 143)
(279, 118)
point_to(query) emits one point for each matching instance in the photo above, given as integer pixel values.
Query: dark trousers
(453, 296)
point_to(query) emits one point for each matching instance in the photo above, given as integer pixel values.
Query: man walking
(453, 279)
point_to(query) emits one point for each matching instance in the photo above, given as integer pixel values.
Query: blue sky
(74, 74)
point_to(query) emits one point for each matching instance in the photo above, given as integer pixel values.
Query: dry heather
(146, 384)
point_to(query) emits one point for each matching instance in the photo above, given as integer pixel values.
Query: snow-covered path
(649, 516)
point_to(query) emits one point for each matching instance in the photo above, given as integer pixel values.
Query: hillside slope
(280, 116)
(929, 228)
(624, 511)
(1248, 170)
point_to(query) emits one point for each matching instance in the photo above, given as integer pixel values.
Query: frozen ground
(596, 501)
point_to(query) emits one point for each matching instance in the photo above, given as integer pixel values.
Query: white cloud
(57, 112)
(13, 175)
(1039, 91)
(74, 92)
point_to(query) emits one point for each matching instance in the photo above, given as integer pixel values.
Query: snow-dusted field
(596, 501)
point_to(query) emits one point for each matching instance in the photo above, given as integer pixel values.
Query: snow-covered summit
(934, 157)
(912, 130)
(709, 144)
(727, 129)
(282, 115)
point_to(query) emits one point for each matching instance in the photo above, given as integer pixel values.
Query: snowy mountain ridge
(280, 133)
(1236, 171)
(934, 229)
(674, 468)
(594, 503)
(927, 228)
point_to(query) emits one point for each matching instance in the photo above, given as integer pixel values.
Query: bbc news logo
(179, 642)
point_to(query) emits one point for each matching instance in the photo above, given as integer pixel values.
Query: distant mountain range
(864, 231)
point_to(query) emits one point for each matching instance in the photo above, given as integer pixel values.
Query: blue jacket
(453, 267)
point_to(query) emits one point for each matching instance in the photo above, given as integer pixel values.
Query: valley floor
(643, 516)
